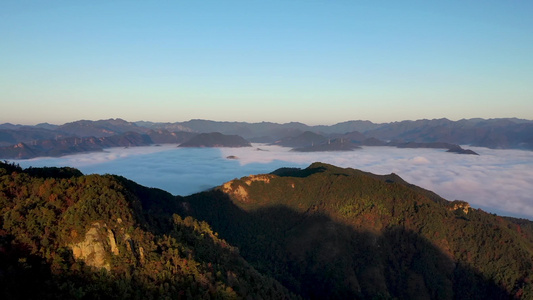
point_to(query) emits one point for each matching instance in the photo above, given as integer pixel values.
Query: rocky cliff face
(95, 247)
(239, 191)
(100, 245)
(460, 205)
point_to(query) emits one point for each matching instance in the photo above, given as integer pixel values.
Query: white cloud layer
(499, 181)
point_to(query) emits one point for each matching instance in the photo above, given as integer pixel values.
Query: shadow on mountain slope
(24, 276)
(105, 237)
(320, 258)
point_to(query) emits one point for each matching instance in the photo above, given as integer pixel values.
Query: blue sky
(317, 62)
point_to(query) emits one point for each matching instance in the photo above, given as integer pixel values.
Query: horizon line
(259, 122)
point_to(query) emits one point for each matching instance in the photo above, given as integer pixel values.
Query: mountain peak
(344, 233)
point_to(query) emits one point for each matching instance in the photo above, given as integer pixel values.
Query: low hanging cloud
(499, 181)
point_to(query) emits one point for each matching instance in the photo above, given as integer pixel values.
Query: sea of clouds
(498, 181)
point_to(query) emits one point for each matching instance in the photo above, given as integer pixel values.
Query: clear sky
(317, 62)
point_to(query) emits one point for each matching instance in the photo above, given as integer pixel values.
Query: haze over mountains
(19, 141)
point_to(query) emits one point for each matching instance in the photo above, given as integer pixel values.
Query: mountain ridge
(314, 215)
(510, 133)
(322, 232)
(72, 236)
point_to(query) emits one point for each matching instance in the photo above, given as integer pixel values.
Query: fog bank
(499, 181)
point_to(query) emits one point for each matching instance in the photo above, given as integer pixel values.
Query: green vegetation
(343, 233)
(64, 235)
(319, 233)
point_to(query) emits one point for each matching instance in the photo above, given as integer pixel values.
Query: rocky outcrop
(92, 250)
(98, 246)
(238, 190)
(460, 205)
(112, 242)
(262, 178)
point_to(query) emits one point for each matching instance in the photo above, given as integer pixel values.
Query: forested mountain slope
(68, 236)
(317, 233)
(327, 232)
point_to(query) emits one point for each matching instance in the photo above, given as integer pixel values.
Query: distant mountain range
(502, 133)
(216, 139)
(322, 232)
(71, 145)
(20, 141)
